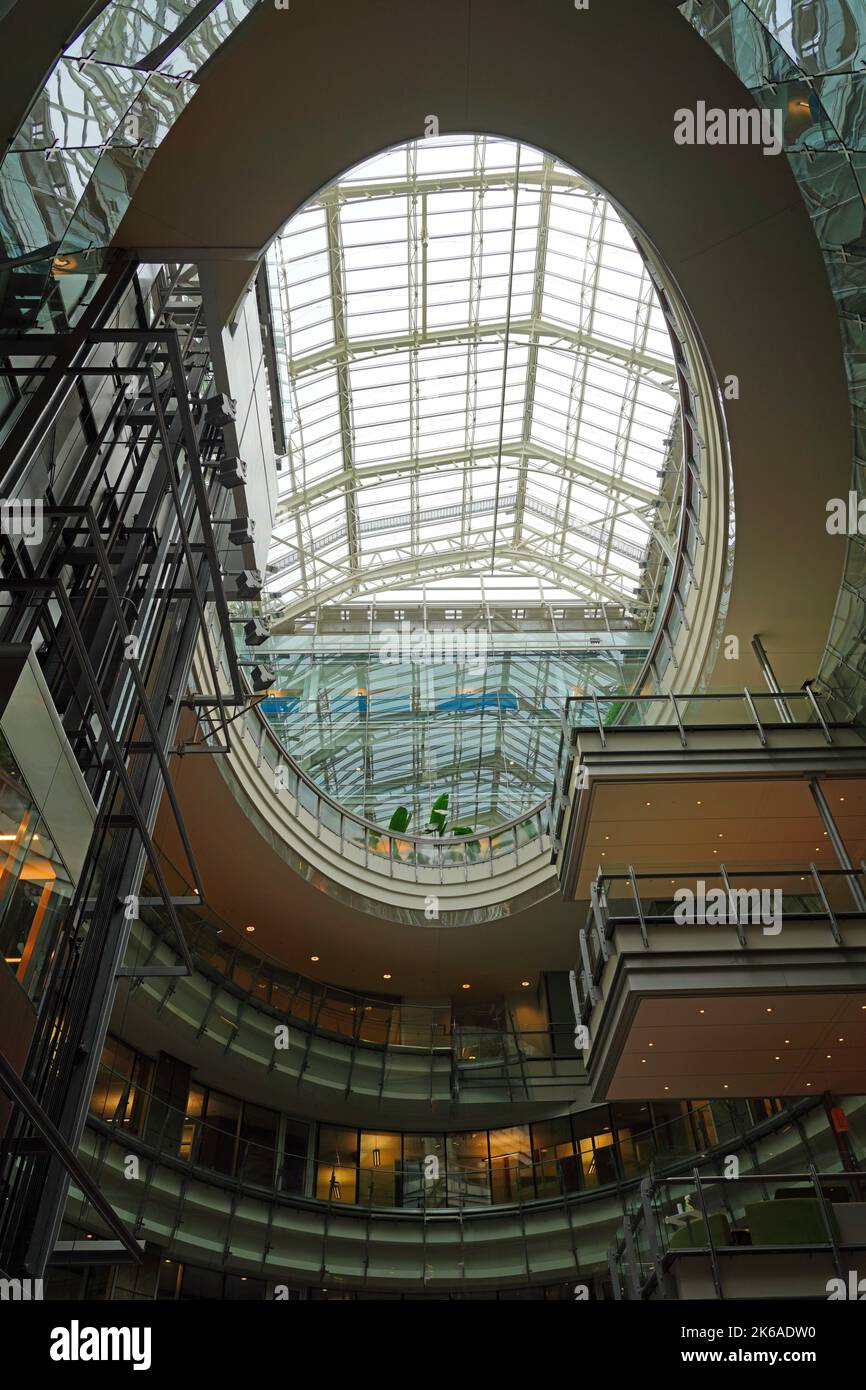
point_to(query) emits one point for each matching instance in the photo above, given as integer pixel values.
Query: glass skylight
(477, 383)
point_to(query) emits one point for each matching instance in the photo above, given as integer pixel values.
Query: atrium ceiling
(476, 380)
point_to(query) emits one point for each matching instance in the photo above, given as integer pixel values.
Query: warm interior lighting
(8, 837)
(525, 984)
(386, 977)
(465, 986)
(314, 958)
(249, 929)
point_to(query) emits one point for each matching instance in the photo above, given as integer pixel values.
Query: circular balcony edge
(527, 1227)
(329, 1070)
(388, 884)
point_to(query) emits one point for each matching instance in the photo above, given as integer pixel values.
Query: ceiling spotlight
(263, 677)
(242, 530)
(249, 584)
(249, 929)
(387, 977)
(257, 631)
(232, 473)
(465, 986)
(220, 410)
(525, 984)
(314, 958)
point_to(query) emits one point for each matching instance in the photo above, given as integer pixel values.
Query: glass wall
(213, 1130)
(35, 886)
(377, 732)
(262, 1148)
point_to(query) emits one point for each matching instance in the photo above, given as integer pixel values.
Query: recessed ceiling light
(652, 1044)
(700, 803)
(769, 1011)
(314, 958)
(667, 1088)
(841, 798)
(525, 984)
(721, 835)
(649, 803)
(249, 929)
(840, 1039)
(643, 1059)
(702, 1011)
(726, 1085)
(808, 1083)
(778, 1059)
(787, 1041)
(386, 977)
(829, 1056)
(465, 986)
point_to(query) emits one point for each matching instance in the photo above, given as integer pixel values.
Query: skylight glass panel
(453, 356)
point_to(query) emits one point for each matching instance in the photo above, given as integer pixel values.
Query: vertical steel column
(838, 844)
(772, 684)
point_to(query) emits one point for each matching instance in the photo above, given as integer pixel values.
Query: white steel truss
(476, 378)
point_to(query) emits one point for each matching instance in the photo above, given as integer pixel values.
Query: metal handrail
(540, 809)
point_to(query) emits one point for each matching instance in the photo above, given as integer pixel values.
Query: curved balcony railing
(382, 1043)
(733, 1224)
(123, 1106)
(510, 1233)
(474, 874)
(742, 902)
(689, 719)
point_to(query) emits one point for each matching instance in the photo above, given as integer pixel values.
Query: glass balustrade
(259, 1149)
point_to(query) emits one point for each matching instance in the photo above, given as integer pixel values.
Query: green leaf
(440, 804)
(462, 830)
(399, 822)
